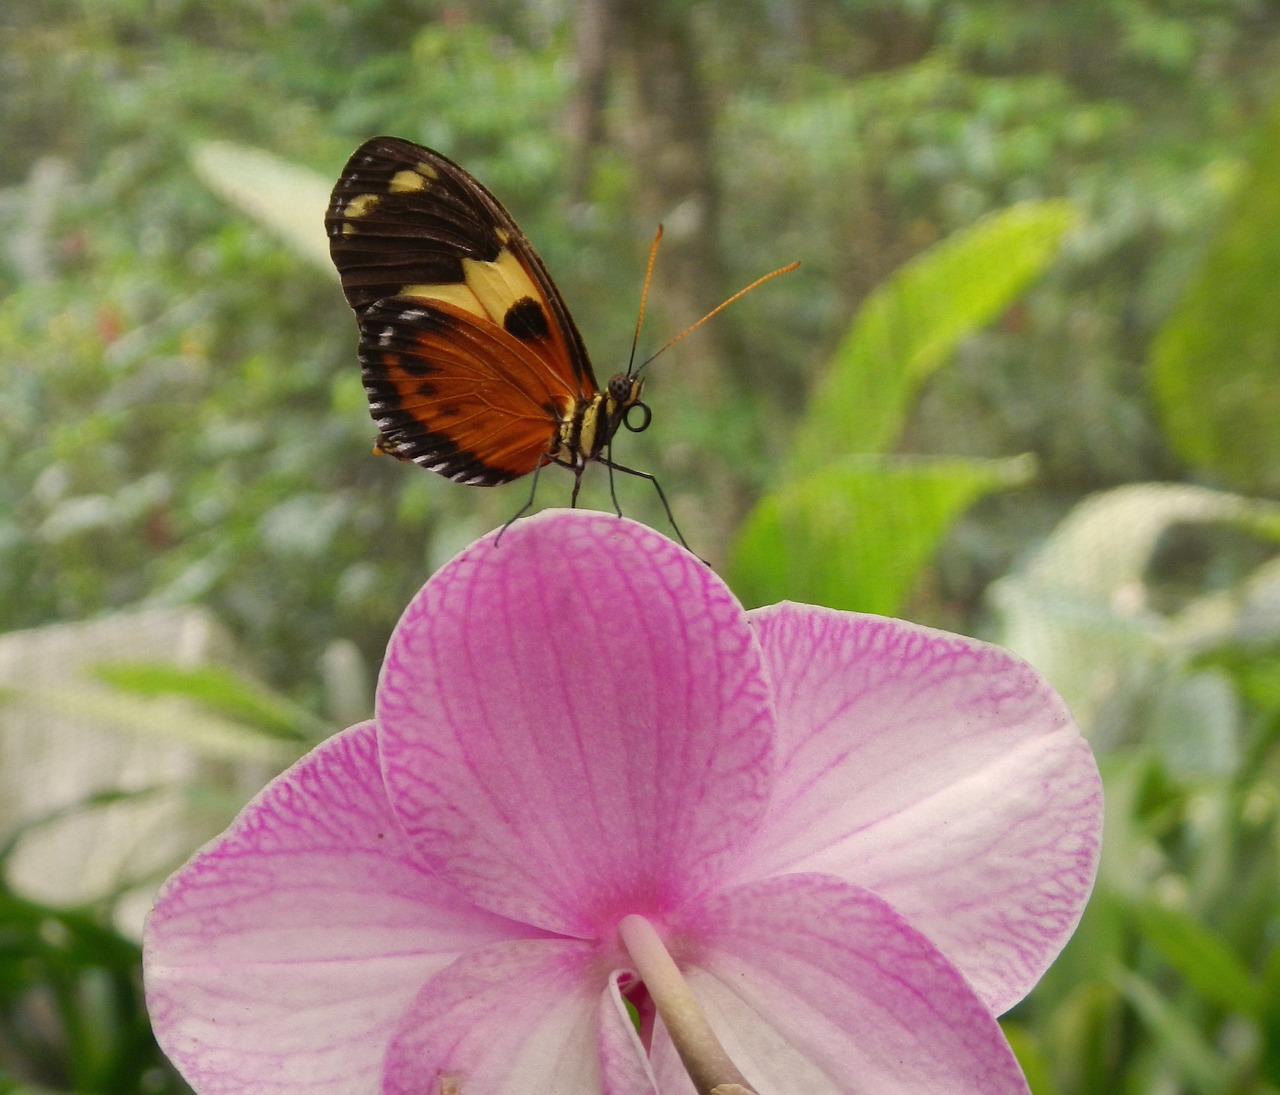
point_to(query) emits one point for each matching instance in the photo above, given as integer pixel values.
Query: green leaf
(1214, 362)
(856, 534)
(1200, 956)
(288, 199)
(911, 325)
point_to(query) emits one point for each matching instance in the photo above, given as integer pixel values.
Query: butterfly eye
(620, 389)
(642, 422)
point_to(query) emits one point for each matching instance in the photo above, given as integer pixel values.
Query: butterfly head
(623, 405)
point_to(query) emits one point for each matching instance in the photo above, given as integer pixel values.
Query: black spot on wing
(526, 320)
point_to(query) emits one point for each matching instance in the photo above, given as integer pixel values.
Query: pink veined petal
(282, 956)
(515, 1018)
(816, 986)
(575, 723)
(941, 772)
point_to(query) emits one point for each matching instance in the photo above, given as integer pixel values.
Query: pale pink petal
(575, 723)
(941, 772)
(816, 986)
(283, 955)
(517, 1018)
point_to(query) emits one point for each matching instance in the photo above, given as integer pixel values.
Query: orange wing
(460, 396)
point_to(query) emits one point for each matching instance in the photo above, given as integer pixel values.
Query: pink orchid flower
(610, 833)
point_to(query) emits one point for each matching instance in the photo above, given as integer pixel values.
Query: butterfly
(472, 364)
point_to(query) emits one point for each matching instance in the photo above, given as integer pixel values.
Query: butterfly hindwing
(468, 400)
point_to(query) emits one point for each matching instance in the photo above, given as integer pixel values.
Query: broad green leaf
(1200, 956)
(856, 534)
(288, 199)
(1254, 664)
(911, 325)
(1216, 361)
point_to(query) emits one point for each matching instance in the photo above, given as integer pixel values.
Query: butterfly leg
(533, 490)
(656, 486)
(613, 491)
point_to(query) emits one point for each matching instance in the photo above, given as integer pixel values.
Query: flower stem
(704, 1057)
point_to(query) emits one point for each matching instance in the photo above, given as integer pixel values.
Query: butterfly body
(472, 364)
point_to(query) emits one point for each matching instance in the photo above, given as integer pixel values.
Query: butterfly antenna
(644, 299)
(716, 310)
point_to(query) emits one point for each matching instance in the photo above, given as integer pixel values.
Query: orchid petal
(575, 723)
(518, 1017)
(282, 956)
(941, 772)
(813, 985)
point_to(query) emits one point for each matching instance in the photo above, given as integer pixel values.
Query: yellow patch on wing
(408, 181)
(457, 293)
(360, 205)
(499, 284)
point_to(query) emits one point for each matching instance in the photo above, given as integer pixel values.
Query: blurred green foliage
(181, 419)
(72, 1016)
(1169, 983)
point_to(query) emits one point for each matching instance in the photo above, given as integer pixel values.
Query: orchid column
(838, 845)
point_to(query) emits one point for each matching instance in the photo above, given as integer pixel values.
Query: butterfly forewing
(407, 221)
